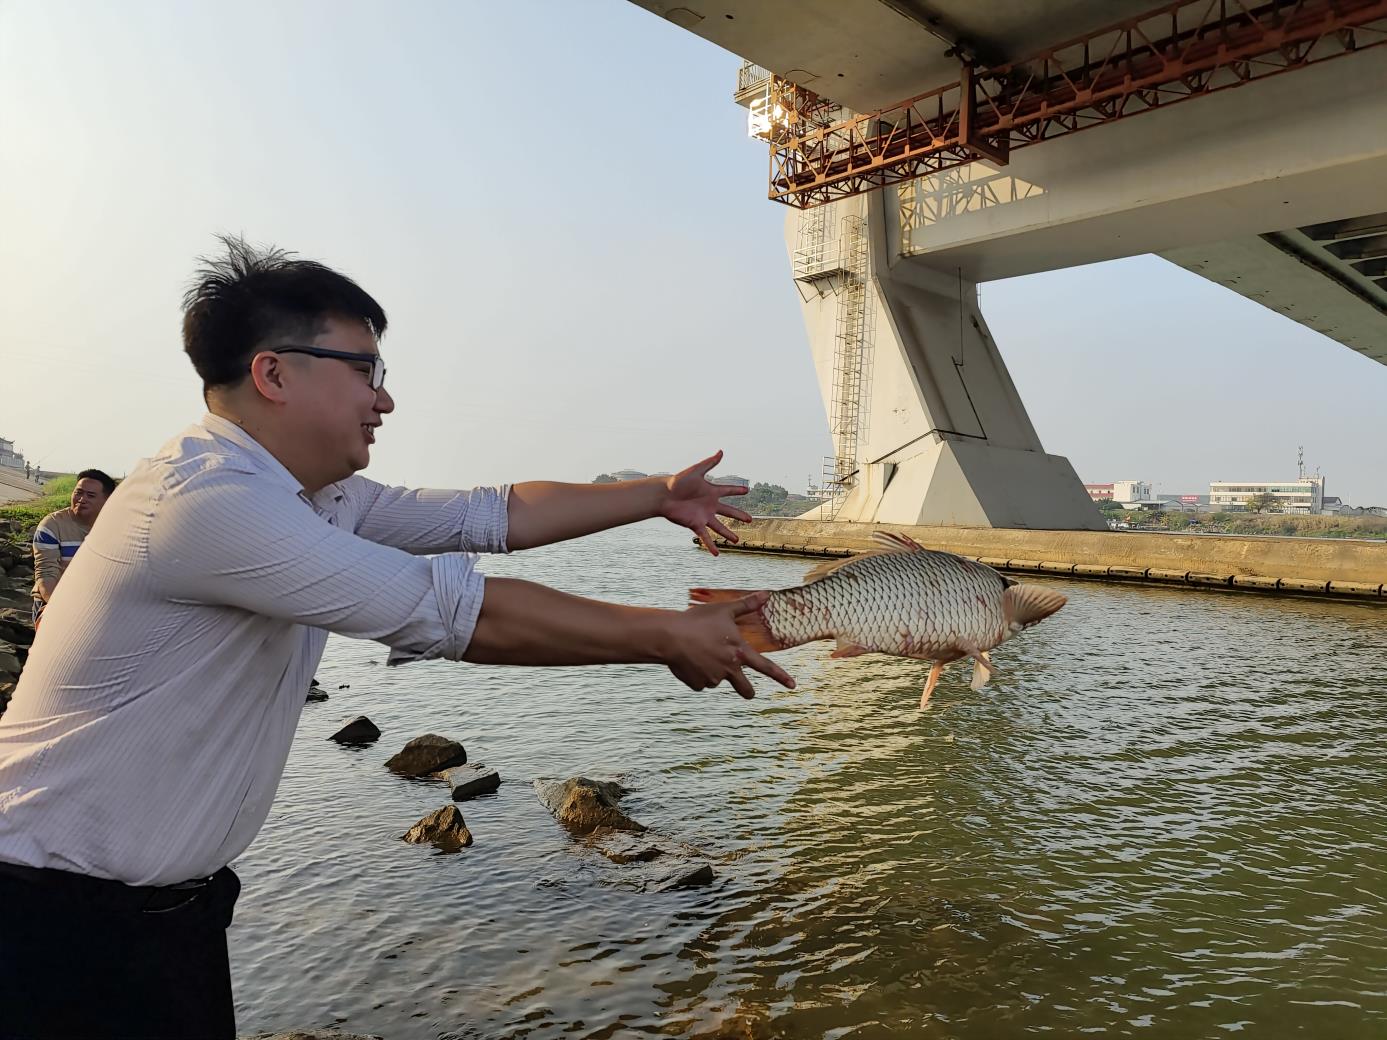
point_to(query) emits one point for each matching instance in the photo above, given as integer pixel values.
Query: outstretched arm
(541, 512)
(524, 623)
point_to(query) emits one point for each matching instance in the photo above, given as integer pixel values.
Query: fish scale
(900, 599)
(917, 604)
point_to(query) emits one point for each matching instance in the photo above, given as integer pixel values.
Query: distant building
(628, 474)
(1123, 492)
(1128, 491)
(1186, 503)
(8, 456)
(728, 478)
(1292, 496)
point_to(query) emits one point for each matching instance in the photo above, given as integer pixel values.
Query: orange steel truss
(1180, 51)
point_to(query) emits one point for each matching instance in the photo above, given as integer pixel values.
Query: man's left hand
(693, 502)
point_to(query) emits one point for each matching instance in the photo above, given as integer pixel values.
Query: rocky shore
(16, 630)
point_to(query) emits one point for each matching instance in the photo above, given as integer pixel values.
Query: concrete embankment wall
(1335, 567)
(14, 488)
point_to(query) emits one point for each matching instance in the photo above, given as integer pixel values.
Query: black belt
(149, 899)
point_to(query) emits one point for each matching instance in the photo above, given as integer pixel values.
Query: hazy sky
(558, 207)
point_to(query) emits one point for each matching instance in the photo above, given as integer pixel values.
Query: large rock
(469, 781)
(584, 805)
(359, 730)
(16, 626)
(655, 863)
(444, 828)
(9, 659)
(427, 754)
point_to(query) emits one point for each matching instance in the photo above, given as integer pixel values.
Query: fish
(902, 599)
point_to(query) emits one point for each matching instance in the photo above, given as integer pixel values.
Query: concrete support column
(943, 438)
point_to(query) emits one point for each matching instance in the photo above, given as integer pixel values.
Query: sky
(558, 207)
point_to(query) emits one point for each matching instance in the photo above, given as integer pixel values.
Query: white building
(1292, 496)
(1129, 491)
(9, 456)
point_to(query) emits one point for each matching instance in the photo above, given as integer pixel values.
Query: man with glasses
(60, 534)
(148, 733)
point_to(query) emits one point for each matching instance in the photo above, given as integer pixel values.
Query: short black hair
(107, 482)
(250, 296)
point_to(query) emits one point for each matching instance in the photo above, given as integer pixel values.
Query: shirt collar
(225, 429)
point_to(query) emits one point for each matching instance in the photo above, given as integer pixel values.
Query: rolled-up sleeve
(226, 538)
(426, 520)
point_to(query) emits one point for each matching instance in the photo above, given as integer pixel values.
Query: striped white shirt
(153, 719)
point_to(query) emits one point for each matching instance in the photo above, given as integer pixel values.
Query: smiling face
(329, 408)
(88, 496)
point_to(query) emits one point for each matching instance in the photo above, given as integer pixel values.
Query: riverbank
(17, 523)
(16, 578)
(1284, 525)
(1294, 566)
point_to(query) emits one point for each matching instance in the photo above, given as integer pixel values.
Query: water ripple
(1163, 818)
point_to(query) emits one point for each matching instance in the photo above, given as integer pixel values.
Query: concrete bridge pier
(928, 427)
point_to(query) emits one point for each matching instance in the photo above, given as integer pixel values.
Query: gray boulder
(469, 781)
(655, 863)
(444, 828)
(427, 754)
(359, 730)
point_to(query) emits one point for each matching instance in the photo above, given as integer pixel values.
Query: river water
(1164, 818)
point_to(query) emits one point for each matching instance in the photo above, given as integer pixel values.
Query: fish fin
(930, 683)
(752, 625)
(895, 542)
(717, 595)
(982, 665)
(982, 672)
(847, 648)
(1026, 605)
(826, 568)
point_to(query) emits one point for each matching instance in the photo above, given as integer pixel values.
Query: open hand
(692, 501)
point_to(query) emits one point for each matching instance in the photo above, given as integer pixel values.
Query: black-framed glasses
(377, 363)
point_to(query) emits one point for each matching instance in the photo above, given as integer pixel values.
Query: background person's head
(89, 494)
(316, 414)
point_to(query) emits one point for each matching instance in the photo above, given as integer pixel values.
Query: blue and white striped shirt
(151, 725)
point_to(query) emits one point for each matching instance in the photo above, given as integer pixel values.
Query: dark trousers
(82, 957)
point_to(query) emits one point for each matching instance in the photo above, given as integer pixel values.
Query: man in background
(60, 534)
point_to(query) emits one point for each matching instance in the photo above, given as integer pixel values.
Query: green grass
(1286, 525)
(57, 494)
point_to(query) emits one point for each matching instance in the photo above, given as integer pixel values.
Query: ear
(267, 373)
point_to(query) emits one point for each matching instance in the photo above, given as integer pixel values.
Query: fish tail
(752, 624)
(1026, 605)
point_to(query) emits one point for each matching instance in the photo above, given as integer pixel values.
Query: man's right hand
(706, 647)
